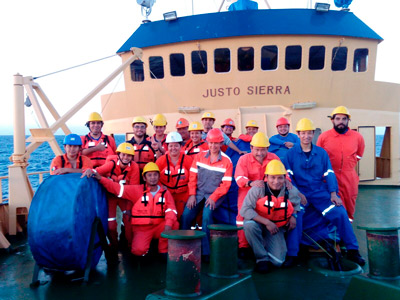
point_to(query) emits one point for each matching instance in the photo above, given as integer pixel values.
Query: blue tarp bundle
(60, 221)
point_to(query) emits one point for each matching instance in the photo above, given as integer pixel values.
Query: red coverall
(150, 214)
(176, 178)
(61, 161)
(344, 151)
(248, 168)
(128, 176)
(99, 157)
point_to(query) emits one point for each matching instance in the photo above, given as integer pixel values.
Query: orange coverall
(99, 157)
(61, 161)
(248, 168)
(128, 176)
(176, 178)
(150, 214)
(344, 151)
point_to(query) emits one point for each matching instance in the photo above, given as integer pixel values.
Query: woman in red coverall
(122, 169)
(174, 171)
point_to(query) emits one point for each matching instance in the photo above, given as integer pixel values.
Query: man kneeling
(266, 211)
(153, 209)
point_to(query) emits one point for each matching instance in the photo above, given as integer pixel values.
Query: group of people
(199, 175)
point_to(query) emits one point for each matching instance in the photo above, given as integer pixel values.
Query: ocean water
(39, 161)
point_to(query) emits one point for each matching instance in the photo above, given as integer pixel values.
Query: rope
(112, 92)
(93, 61)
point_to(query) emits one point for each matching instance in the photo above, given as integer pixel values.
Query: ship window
(339, 58)
(222, 60)
(199, 62)
(269, 57)
(137, 73)
(360, 60)
(316, 59)
(177, 62)
(156, 67)
(246, 58)
(293, 58)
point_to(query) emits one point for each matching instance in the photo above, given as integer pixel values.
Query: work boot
(262, 267)
(245, 253)
(290, 261)
(355, 256)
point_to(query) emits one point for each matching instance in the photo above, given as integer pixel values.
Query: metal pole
(137, 54)
(19, 119)
(266, 2)
(220, 7)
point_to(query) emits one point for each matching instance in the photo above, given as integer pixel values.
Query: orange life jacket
(119, 175)
(175, 178)
(196, 149)
(277, 210)
(144, 153)
(149, 210)
(98, 158)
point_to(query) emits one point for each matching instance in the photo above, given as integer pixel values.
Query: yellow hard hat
(159, 120)
(139, 120)
(208, 115)
(126, 148)
(252, 123)
(260, 140)
(340, 110)
(149, 167)
(305, 125)
(195, 126)
(94, 116)
(275, 167)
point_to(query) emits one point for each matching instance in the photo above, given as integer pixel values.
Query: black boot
(355, 256)
(290, 261)
(263, 267)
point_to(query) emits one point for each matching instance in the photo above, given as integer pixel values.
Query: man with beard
(345, 148)
(284, 140)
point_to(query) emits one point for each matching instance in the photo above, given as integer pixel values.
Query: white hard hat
(174, 137)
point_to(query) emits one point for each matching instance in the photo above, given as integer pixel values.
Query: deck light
(322, 7)
(170, 16)
(304, 105)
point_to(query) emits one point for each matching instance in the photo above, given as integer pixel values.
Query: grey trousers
(266, 247)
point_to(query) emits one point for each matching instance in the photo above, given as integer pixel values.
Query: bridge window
(222, 60)
(137, 73)
(269, 58)
(156, 67)
(316, 60)
(177, 63)
(199, 62)
(246, 59)
(339, 58)
(360, 60)
(293, 58)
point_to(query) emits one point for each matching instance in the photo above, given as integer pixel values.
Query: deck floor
(133, 280)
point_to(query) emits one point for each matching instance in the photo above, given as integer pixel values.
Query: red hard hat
(182, 123)
(229, 122)
(282, 121)
(215, 136)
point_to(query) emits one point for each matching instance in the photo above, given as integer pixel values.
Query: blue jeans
(188, 217)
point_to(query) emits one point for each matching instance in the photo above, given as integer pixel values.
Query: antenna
(146, 8)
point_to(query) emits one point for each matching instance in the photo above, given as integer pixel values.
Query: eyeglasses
(139, 126)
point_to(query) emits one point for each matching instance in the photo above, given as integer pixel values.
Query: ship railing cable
(73, 67)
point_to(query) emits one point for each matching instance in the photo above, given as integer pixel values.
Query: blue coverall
(278, 144)
(314, 177)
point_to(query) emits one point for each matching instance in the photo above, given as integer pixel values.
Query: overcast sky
(43, 36)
